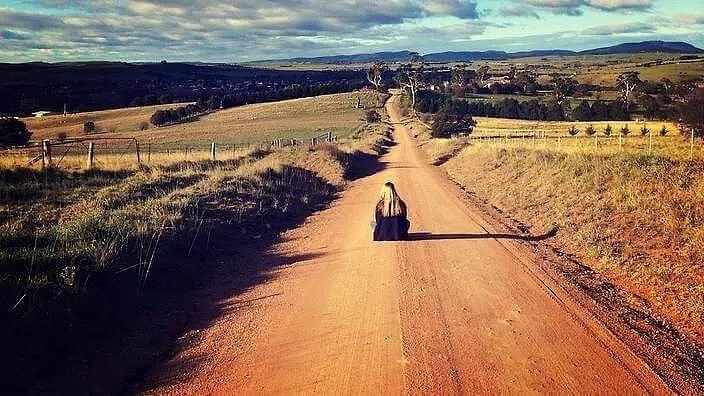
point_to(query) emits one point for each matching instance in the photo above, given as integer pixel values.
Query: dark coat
(394, 228)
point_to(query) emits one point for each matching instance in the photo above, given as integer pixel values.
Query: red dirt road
(457, 311)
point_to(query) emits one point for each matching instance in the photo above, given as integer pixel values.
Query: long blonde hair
(391, 204)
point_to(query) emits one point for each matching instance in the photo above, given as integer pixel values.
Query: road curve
(454, 312)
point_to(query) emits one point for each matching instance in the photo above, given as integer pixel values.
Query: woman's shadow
(428, 236)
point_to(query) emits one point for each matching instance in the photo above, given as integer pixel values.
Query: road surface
(455, 311)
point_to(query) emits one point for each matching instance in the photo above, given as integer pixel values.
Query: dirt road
(456, 310)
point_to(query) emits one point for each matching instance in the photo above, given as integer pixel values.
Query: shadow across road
(428, 236)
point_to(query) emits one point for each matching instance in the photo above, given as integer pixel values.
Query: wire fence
(676, 146)
(116, 153)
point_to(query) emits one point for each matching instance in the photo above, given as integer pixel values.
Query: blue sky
(242, 30)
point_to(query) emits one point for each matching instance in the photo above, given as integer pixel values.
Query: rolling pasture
(231, 129)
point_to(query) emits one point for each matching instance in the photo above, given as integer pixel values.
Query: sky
(244, 30)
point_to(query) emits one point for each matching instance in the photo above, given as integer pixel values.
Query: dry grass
(230, 129)
(635, 217)
(59, 227)
(107, 121)
(305, 117)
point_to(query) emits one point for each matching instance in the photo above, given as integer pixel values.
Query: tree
(482, 73)
(453, 118)
(627, 83)
(458, 76)
(410, 78)
(160, 117)
(600, 111)
(554, 111)
(428, 101)
(213, 103)
(509, 108)
(89, 127)
(589, 130)
(374, 74)
(692, 111)
(563, 87)
(164, 99)
(651, 107)
(13, 132)
(618, 110)
(526, 81)
(583, 112)
(137, 102)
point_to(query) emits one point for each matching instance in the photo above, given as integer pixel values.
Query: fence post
(46, 153)
(596, 141)
(89, 160)
(559, 143)
(650, 144)
(312, 142)
(149, 152)
(329, 136)
(691, 144)
(620, 136)
(136, 146)
(212, 151)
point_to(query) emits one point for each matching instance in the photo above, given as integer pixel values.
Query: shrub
(61, 136)
(663, 131)
(13, 132)
(143, 126)
(372, 116)
(590, 131)
(608, 130)
(644, 130)
(89, 127)
(625, 130)
(573, 131)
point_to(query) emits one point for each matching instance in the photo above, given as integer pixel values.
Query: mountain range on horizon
(676, 47)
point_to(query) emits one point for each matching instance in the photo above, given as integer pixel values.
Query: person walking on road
(391, 216)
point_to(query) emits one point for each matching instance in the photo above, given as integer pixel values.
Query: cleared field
(107, 121)
(230, 129)
(674, 70)
(304, 117)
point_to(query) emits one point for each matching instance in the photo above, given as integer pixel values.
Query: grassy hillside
(249, 123)
(636, 219)
(107, 122)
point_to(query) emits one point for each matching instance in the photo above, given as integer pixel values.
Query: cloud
(222, 31)
(10, 35)
(689, 19)
(575, 7)
(627, 28)
(518, 10)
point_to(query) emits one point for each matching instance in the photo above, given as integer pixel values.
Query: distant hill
(677, 47)
(465, 56)
(396, 56)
